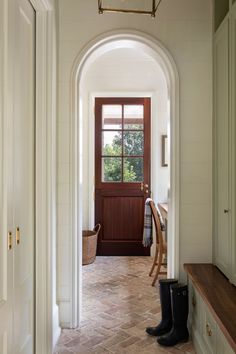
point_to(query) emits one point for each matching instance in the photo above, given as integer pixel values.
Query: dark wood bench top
(218, 294)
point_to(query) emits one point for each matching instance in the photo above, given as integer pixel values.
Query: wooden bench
(218, 297)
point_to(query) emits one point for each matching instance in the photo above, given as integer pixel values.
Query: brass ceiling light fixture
(143, 7)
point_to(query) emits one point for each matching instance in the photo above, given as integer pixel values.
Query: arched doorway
(149, 45)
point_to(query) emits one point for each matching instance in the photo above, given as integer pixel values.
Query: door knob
(226, 211)
(146, 186)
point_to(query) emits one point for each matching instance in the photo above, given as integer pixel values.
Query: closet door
(24, 178)
(7, 20)
(233, 132)
(222, 252)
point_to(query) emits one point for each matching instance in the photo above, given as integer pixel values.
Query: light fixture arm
(151, 12)
(158, 4)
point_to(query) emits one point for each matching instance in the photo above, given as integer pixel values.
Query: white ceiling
(124, 68)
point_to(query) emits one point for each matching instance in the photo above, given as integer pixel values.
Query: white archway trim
(99, 45)
(47, 328)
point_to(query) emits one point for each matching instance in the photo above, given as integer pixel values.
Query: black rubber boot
(166, 313)
(179, 302)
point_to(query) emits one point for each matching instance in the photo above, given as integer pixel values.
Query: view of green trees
(132, 166)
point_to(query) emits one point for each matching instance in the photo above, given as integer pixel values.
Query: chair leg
(160, 258)
(154, 262)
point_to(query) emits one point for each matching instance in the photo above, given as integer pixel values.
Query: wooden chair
(161, 245)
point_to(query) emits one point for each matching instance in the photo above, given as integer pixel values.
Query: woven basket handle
(97, 228)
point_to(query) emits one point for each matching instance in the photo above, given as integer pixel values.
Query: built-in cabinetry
(212, 310)
(206, 334)
(224, 124)
(212, 296)
(17, 176)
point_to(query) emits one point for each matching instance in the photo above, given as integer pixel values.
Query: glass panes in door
(122, 143)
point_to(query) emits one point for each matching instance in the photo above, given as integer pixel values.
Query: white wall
(124, 72)
(184, 28)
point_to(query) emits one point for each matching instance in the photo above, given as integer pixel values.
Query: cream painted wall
(184, 27)
(124, 72)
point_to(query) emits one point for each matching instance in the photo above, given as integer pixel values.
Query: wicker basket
(90, 244)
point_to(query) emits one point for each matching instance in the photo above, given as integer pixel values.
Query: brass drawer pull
(208, 330)
(17, 235)
(9, 240)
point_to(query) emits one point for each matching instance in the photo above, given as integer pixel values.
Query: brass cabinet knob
(208, 330)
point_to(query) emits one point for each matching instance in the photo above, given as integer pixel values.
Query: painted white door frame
(46, 312)
(100, 45)
(91, 158)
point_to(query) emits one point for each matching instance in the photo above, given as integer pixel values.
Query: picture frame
(164, 154)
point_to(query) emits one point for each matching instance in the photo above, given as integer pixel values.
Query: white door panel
(6, 178)
(24, 152)
(222, 244)
(17, 180)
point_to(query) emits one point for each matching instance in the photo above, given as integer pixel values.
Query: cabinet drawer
(222, 346)
(211, 322)
(209, 332)
(195, 307)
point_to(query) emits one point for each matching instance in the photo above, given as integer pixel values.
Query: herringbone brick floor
(118, 304)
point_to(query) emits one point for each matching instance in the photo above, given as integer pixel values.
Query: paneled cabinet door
(233, 107)
(6, 182)
(24, 179)
(17, 179)
(222, 254)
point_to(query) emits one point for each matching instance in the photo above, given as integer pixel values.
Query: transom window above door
(122, 143)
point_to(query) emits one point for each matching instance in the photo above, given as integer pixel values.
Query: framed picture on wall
(164, 155)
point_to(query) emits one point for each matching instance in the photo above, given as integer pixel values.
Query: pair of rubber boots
(174, 309)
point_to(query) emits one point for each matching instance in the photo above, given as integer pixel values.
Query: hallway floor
(118, 304)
